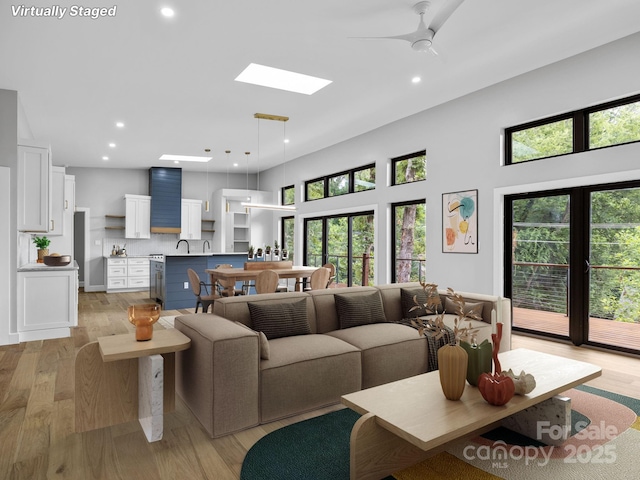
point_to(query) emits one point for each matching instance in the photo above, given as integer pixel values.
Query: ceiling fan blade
(443, 14)
(409, 37)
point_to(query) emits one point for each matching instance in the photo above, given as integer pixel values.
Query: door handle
(587, 266)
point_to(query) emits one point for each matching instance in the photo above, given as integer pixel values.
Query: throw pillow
(360, 309)
(265, 353)
(284, 319)
(471, 309)
(406, 296)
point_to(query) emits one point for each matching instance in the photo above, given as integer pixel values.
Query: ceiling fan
(421, 40)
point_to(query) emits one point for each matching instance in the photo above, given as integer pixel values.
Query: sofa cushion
(264, 347)
(390, 351)
(307, 372)
(280, 319)
(355, 310)
(470, 309)
(427, 304)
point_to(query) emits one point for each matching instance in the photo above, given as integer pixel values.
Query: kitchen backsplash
(158, 243)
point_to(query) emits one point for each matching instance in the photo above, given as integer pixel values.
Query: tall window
(409, 168)
(346, 241)
(287, 235)
(408, 240)
(605, 125)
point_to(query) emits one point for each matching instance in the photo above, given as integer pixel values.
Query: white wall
(463, 140)
(8, 215)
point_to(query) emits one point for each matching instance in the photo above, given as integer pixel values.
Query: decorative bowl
(143, 316)
(57, 260)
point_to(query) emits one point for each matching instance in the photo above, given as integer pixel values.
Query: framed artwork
(460, 222)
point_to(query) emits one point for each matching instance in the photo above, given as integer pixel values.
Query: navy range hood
(165, 189)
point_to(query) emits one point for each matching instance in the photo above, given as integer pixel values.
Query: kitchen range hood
(165, 189)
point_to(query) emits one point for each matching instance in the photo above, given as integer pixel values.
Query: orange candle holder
(143, 317)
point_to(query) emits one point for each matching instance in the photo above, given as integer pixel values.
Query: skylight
(184, 158)
(281, 79)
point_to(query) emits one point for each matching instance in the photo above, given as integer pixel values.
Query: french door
(573, 266)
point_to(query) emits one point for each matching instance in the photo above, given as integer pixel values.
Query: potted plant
(267, 250)
(276, 248)
(250, 254)
(285, 254)
(259, 253)
(42, 243)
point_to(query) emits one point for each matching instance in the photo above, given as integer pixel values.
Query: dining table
(230, 276)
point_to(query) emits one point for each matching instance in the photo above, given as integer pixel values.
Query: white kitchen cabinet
(47, 302)
(34, 187)
(124, 273)
(191, 222)
(137, 216)
(57, 220)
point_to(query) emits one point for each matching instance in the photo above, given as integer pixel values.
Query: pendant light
(206, 202)
(265, 206)
(227, 207)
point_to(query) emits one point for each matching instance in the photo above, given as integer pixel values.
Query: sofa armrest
(218, 376)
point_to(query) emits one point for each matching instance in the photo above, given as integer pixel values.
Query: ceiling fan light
(422, 45)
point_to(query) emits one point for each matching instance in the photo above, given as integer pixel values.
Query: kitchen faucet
(208, 245)
(183, 240)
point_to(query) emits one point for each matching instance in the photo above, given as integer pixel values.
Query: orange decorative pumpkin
(496, 389)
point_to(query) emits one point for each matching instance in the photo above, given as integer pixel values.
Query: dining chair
(222, 285)
(267, 281)
(332, 273)
(320, 279)
(197, 286)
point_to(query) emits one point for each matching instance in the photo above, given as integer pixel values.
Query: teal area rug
(318, 449)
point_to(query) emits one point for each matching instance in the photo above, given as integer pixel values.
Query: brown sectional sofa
(229, 385)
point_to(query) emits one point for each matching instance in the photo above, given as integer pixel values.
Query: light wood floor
(37, 438)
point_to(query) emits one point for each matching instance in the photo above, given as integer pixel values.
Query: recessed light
(416, 80)
(112, 145)
(235, 164)
(119, 124)
(167, 12)
(281, 79)
(105, 158)
(286, 140)
(185, 158)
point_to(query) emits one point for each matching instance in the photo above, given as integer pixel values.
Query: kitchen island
(169, 283)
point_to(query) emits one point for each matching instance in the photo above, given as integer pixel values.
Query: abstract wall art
(460, 222)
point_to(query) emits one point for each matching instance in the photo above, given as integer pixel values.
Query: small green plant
(41, 242)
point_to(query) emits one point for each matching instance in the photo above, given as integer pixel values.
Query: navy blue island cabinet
(176, 296)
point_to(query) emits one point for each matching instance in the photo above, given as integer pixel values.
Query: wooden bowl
(57, 261)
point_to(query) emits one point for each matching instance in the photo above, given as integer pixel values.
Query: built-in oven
(156, 280)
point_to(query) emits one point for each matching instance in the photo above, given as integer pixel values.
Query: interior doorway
(81, 245)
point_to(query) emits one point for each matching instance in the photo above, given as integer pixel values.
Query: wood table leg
(376, 452)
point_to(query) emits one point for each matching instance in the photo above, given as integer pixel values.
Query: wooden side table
(108, 391)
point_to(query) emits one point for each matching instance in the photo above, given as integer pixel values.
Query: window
(352, 181)
(287, 235)
(408, 240)
(606, 125)
(339, 184)
(315, 189)
(542, 141)
(409, 168)
(364, 179)
(614, 126)
(289, 195)
(346, 241)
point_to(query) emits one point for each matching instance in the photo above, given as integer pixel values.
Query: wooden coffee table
(410, 420)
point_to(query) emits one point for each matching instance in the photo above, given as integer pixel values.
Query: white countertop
(41, 267)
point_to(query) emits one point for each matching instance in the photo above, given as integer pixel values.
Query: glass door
(538, 263)
(613, 268)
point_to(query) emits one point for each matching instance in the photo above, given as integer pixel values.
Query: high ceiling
(171, 81)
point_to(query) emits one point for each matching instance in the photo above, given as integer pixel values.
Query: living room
(463, 138)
